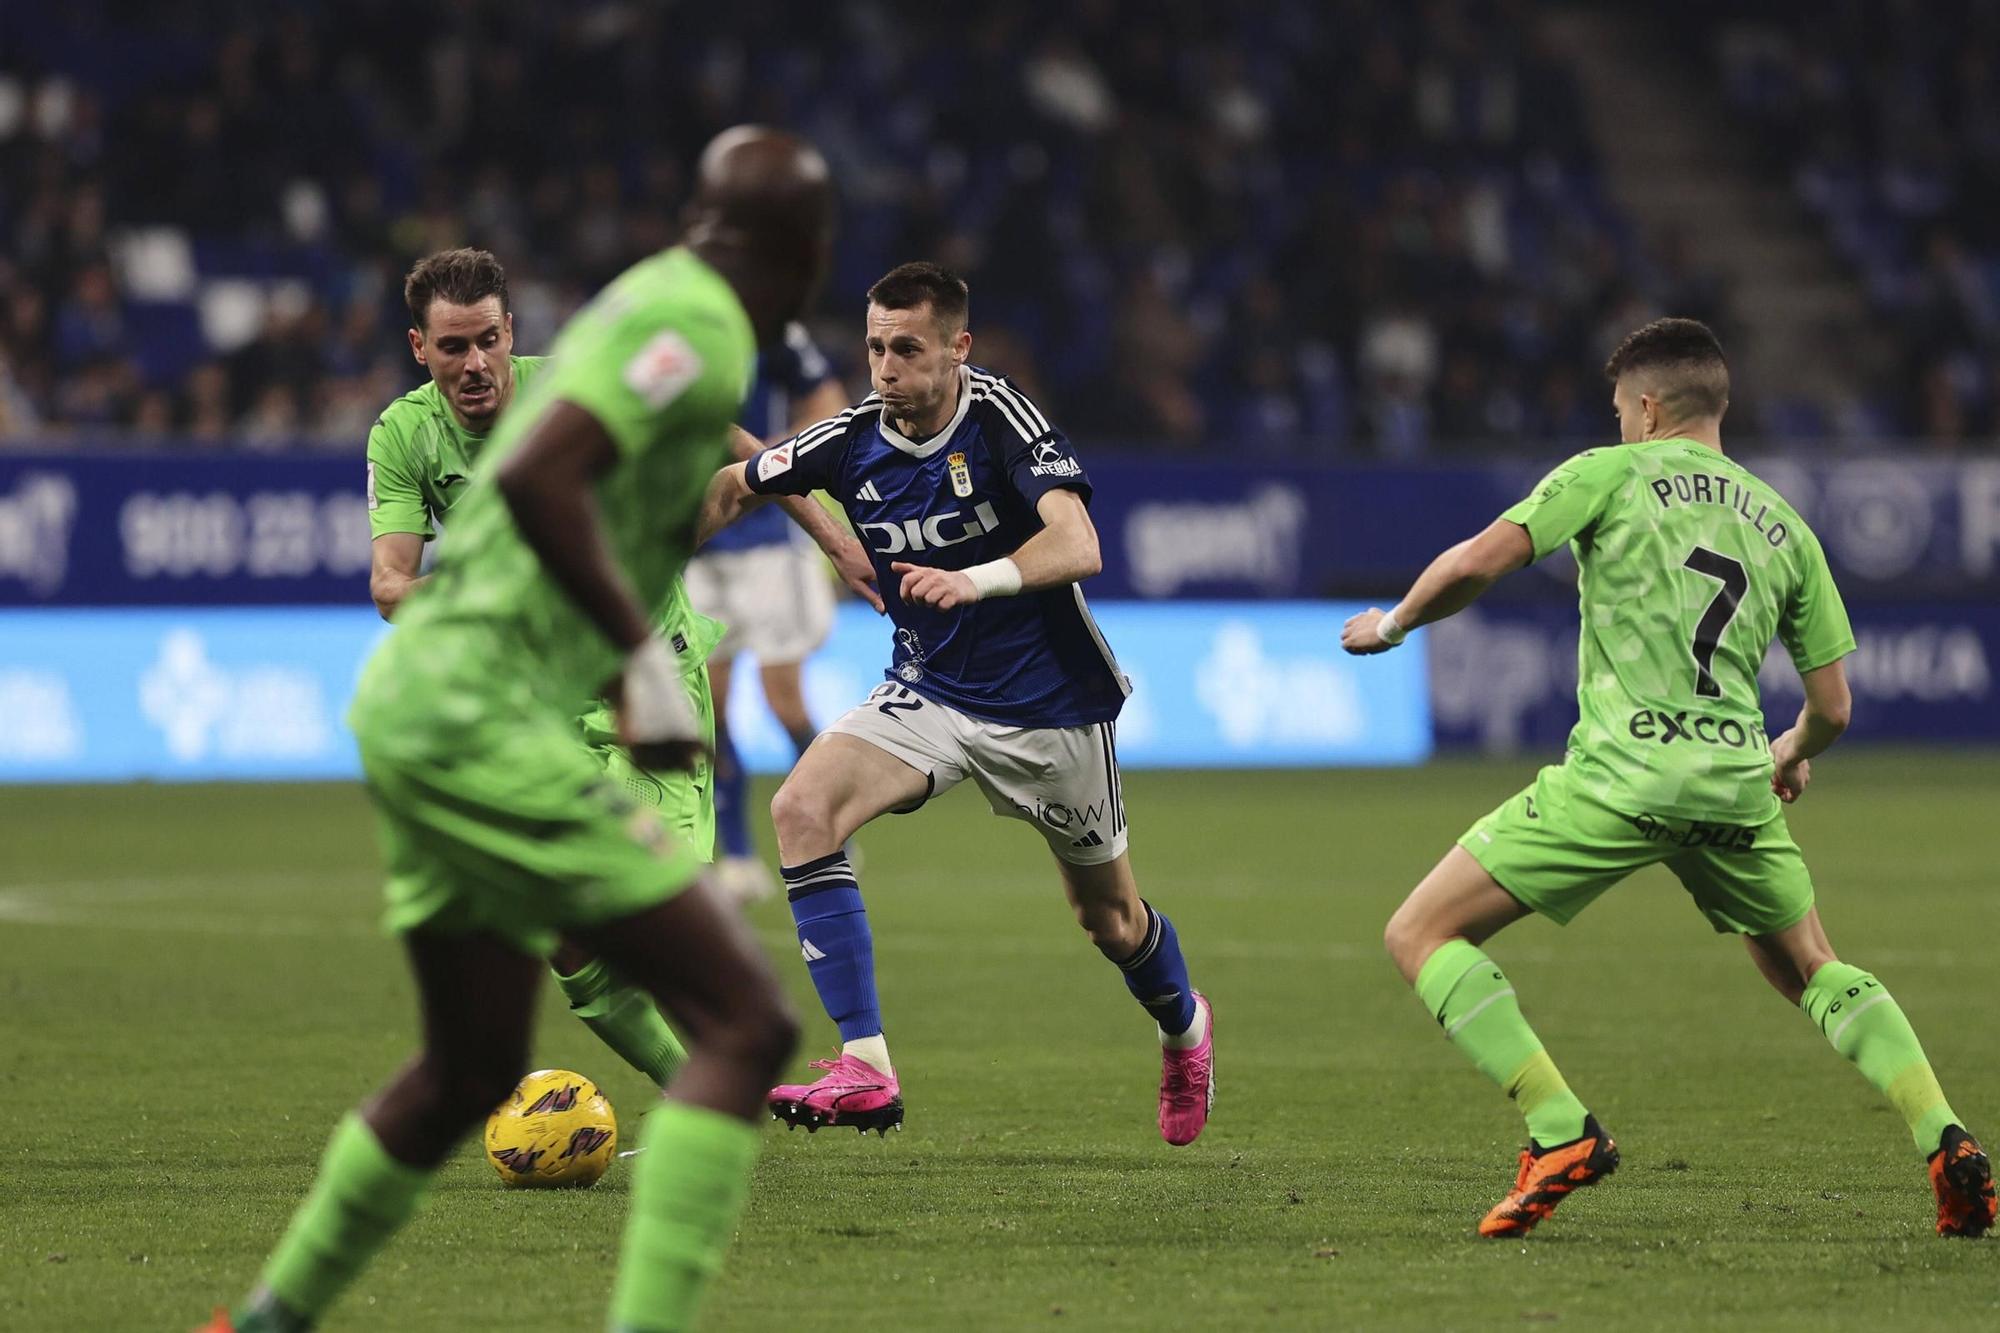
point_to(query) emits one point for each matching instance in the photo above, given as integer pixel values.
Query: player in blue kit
(772, 592)
(974, 511)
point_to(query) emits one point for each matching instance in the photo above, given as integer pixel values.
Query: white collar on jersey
(938, 441)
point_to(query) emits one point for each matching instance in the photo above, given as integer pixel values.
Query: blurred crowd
(1296, 228)
(1885, 116)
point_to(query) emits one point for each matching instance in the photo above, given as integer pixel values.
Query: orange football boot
(1963, 1180)
(1547, 1176)
(219, 1323)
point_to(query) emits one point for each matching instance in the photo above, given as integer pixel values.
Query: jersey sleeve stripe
(1014, 418)
(1028, 409)
(832, 428)
(1001, 391)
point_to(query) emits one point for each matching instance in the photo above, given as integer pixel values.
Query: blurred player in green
(500, 831)
(1690, 566)
(421, 453)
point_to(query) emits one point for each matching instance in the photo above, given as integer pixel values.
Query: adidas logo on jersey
(868, 492)
(1089, 839)
(810, 951)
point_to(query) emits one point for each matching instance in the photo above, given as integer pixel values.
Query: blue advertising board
(1503, 677)
(174, 529)
(260, 692)
(182, 530)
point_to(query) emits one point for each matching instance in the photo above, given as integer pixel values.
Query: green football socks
(1866, 1025)
(686, 1194)
(363, 1197)
(625, 1019)
(1474, 1003)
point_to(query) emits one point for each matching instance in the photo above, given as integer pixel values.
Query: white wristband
(1392, 633)
(995, 578)
(655, 703)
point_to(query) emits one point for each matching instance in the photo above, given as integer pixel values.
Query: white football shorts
(774, 600)
(1063, 780)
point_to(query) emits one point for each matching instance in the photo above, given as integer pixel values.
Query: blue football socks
(1157, 976)
(838, 946)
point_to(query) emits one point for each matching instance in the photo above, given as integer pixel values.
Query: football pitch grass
(194, 990)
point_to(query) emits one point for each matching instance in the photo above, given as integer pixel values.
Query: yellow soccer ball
(556, 1129)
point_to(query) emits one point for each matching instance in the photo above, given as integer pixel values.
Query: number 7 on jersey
(1708, 630)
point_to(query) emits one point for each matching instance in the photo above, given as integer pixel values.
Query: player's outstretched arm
(1824, 716)
(727, 499)
(1452, 582)
(849, 560)
(1064, 551)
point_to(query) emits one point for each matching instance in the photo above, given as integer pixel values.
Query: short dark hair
(463, 277)
(907, 286)
(1684, 359)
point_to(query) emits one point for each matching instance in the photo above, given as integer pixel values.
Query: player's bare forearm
(727, 499)
(389, 591)
(1813, 734)
(393, 561)
(1450, 583)
(850, 559)
(1821, 721)
(1065, 550)
(548, 484)
(1462, 573)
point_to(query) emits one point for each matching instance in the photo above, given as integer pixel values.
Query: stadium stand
(1169, 239)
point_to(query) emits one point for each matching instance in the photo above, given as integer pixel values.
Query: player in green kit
(1690, 567)
(421, 453)
(500, 831)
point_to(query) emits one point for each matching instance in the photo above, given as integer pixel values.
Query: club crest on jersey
(961, 475)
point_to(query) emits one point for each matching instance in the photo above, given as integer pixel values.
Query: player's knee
(1113, 926)
(802, 819)
(1406, 942)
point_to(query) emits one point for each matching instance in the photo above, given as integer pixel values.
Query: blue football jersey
(785, 374)
(961, 498)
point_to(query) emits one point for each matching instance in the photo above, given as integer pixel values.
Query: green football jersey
(661, 359)
(420, 458)
(1689, 567)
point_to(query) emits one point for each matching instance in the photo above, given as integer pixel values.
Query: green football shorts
(1556, 847)
(685, 800)
(514, 827)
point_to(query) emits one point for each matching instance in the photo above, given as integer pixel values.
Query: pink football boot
(853, 1092)
(1187, 1085)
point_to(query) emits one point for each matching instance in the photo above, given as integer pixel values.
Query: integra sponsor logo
(1722, 837)
(1051, 460)
(1649, 724)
